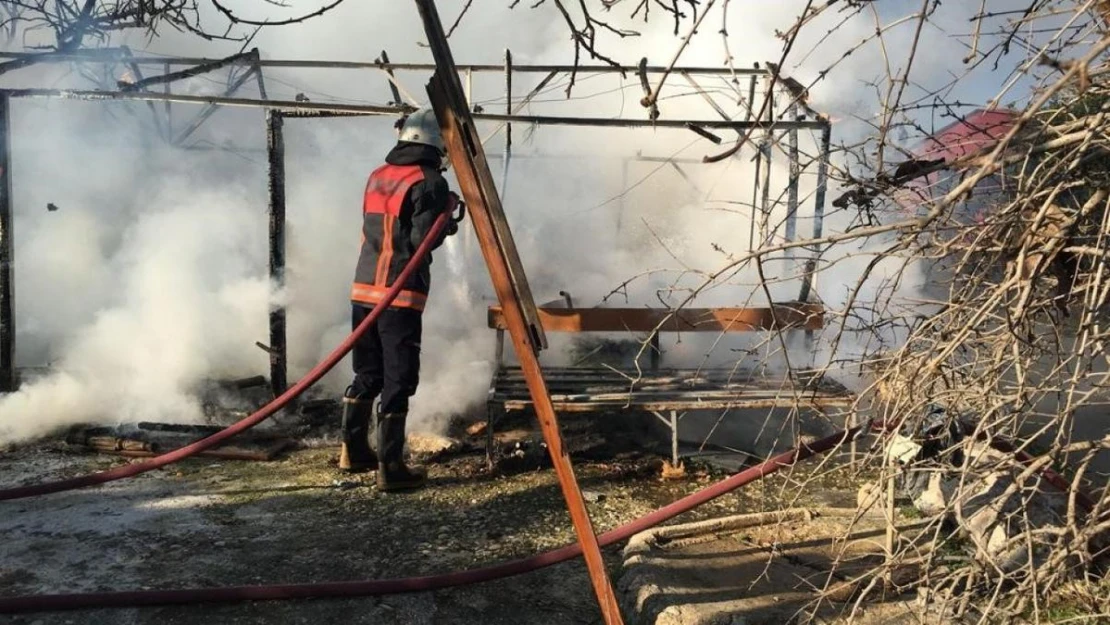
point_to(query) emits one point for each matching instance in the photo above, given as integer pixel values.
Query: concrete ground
(207, 523)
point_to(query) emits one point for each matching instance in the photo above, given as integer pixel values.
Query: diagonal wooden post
(464, 147)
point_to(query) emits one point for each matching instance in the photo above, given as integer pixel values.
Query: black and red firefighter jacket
(403, 199)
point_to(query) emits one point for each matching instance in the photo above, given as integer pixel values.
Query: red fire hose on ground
(38, 603)
(41, 603)
(279, 402)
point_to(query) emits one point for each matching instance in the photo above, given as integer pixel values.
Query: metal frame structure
(279, 110)
(521, 317)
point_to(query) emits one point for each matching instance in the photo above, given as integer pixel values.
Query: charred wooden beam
(704, 133)
(275, 146)
(138, 73)
(8, 379)
(397, 101)
(211, 108)
(245, 58)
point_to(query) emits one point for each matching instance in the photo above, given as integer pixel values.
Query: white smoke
(151, 276)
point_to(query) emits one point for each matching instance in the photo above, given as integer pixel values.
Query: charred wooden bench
(667, 393)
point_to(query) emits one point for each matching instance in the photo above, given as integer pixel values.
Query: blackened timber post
(275, 148)
(8, 378)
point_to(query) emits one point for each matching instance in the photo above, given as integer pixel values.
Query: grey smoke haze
(151, 276)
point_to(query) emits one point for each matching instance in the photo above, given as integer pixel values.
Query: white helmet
(421, 127)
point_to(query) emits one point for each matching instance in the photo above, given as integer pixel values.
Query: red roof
(979, 130)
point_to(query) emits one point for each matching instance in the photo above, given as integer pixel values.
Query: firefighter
(403, 198)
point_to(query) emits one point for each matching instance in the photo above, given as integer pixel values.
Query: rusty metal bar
(9, 381)
(510, 283)
(275, 147)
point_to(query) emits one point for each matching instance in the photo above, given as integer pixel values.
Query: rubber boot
(355, 454)
(393, 474)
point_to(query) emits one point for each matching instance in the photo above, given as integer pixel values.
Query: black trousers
(387, 358)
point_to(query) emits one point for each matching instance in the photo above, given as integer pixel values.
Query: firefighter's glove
(457, 209)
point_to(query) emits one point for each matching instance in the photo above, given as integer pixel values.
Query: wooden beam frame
(778, 317)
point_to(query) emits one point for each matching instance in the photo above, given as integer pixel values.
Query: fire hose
(279, 402)
(364, 588)
(35, 603)
(40, 603)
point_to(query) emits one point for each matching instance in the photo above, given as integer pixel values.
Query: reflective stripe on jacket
(386, 239)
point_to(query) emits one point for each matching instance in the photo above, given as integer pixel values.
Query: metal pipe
(260, 82)
(292, 106)
(8, 379)
(92, 57)
(751, 98)
(365, 588)
(818, 209)
(263, 413)
(508, 125)
(792, 184)
(168, 104)
(822, 182)
(543, 120)
(284, 105)
(765, 204)
(275, 149)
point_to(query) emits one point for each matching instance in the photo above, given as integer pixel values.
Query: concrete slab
(755, 569)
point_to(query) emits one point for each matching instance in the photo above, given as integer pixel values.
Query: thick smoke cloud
(151, 276)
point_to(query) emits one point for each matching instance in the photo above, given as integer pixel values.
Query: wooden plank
(780, 316)
(465, 150)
